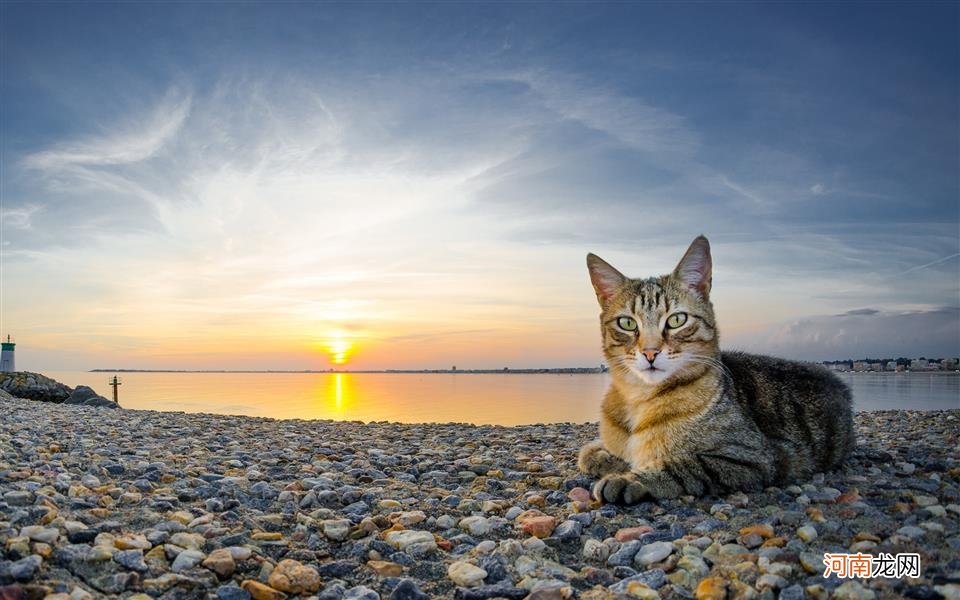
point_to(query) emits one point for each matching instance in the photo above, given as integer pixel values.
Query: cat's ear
(696, 268)
(606, 280)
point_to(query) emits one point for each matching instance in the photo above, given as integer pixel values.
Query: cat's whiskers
(712, 362)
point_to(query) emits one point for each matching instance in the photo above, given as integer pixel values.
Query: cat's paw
(633, 488)
(596, 461)
(621, 488)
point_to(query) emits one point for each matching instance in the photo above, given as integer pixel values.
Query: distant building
(949, 364)
(891, 365)
(7, 364)
(876, 366)
(859, 365)
(919, 364)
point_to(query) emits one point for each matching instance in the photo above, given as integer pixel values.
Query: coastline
(192, 505)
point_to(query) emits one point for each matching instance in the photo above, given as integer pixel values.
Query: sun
(338, 348)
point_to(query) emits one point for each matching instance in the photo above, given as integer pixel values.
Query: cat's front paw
(633, 488)
(596, 461)
(620, 488)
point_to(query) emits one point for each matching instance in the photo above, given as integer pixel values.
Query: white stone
(653, 553)
(466, 574)
(401, 540)
(475, 525)
(807, 533)
(336, 529)
(186, 560)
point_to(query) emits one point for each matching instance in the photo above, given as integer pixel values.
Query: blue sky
(237, 184)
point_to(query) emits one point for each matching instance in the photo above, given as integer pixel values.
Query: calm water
(412, 398)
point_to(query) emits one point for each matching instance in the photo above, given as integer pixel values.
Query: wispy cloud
(19, 217)
(137, 140)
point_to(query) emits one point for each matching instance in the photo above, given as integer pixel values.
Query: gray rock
(361, 592)
(131, 559)
(34, 386)
(624, 556)
(232, 592)
(653, 553)
(407, 590)
(186, 560)
(25, 568)
(81, 394)
(654, 579)
(568, 530)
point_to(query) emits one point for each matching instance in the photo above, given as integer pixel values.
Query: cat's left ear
(696, 268)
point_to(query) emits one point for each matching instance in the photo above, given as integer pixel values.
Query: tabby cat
(681, 417)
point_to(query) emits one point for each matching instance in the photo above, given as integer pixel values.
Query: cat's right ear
(606, 280)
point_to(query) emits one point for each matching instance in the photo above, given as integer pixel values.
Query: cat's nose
(651, 354)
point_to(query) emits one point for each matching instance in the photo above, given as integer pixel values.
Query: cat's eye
(676, 320)
(627, 324)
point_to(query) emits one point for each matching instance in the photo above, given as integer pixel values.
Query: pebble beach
(101, 503)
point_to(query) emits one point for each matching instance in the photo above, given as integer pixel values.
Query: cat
(683, 418)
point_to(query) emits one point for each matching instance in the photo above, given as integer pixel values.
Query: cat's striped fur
(683, 418)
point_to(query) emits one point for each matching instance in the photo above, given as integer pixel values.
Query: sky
(380, 185)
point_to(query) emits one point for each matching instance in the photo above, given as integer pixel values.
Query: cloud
(637, 124)
(137, 140)
(19, 217)
(859, 312)
(863, 332)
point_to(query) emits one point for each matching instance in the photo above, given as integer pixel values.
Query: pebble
(404, 539)
(259, 591)
(25, 568)
(540, 527)
(221, 562)
(466, 574)
(807, 533)
(131, 559)
(653, 553)
(186, 560)
(385, 568)
(336, 529)
(207, 506)
(853, 590)
(294, 577)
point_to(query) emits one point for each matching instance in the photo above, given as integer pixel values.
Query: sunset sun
(338, 348)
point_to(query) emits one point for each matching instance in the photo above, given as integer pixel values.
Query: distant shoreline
(559, 371)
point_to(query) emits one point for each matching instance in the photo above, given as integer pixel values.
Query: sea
(499, 399)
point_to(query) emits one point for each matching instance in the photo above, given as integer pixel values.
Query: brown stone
(628, 534)
(775, 542)
(258, 591)
(294, 577)
(762, 529)
(852, 495)
(540, 527)
(221, 562)
(712, 588)
(385, 568)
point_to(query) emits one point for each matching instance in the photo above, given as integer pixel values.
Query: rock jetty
(138, 504)
(34, 386)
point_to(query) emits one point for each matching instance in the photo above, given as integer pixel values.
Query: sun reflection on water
(337, 398)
